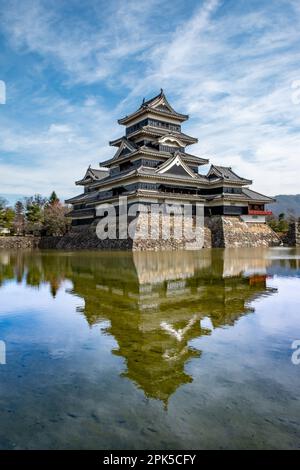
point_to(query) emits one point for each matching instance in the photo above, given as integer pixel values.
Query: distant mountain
(289, 204)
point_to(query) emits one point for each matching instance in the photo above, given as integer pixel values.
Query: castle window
(232, 190)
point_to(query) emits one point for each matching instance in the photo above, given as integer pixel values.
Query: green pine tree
(53, 199)
(19, 219)
(34, 213)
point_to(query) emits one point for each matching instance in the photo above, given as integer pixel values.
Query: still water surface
(150, 350)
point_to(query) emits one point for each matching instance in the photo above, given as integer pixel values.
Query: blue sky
(71, 68)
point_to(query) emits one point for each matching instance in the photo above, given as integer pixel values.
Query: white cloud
(87, 51)
(232, 70)
(60, 129)
(55, 156)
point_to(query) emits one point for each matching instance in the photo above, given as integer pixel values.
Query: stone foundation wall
(207, 237)
(161, 232)
(242, 234)
(155, 224)
(15, 243)
(215, 226)
(230, 232)
(85, 238)
(218, 232)
(28, 242)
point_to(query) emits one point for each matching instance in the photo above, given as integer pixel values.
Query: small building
(153, 163)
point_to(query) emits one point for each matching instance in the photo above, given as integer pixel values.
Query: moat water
(150, 350)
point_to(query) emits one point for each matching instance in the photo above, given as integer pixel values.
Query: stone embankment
(86, 238)
(230, 232)
(28, 242)
(219, 232)
(12, 243)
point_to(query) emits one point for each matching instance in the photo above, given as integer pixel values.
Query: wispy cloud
(87, 49)
(230, 65)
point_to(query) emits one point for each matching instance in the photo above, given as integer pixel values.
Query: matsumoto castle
(153, 163)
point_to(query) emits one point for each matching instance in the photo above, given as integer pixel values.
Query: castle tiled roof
(158, 105)
(253, 195)
(93, 174)
(247, 195)
(159, 131)
(83, 198)
(227, 174)
(194, 158)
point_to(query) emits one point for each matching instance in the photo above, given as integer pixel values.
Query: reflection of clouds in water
(206, 323)
(22, 298)
(260, 344)
(39, 313)
(282, 313)
(156, 306)
(114, 340)
(180, 333)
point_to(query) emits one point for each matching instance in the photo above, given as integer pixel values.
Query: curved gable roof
(158, 104)
(175, 162)
(227, 174)
(93, 174)
(125, 144)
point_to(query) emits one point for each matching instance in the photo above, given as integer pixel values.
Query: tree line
(34, 215)
(281, 223)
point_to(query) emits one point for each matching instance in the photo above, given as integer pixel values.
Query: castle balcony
(169, 149)
(259, 212)
(152, 123)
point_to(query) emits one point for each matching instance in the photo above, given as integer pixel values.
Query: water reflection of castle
(156, 303)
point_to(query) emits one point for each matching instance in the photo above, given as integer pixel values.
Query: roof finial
(161, 91)
(143, 101)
